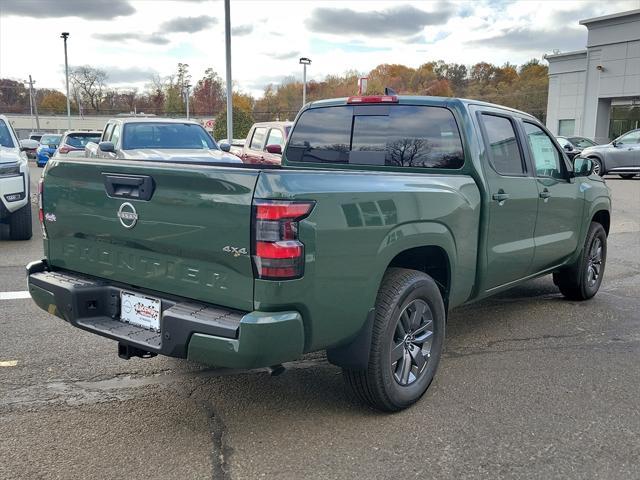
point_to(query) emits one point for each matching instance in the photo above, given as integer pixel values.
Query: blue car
(48, 146)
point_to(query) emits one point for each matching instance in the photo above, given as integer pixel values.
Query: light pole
(304, 61)
(186, 92)
(227, 42)
(64, 36)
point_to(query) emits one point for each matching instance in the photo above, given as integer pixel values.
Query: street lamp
(304, 61)
(64, 36)
(186, 93)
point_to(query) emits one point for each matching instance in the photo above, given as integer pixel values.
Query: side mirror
(275, 149)
(568, 147)
(107, 147)
(225, 147)
(582, 167)
(615, 143)
(28, 144)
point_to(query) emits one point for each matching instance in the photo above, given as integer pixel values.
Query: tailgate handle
(137, 187)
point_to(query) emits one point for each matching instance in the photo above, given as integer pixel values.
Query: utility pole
(227, 41)
(33, 103)
(64, 36)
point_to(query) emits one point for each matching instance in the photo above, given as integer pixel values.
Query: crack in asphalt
(616, 341)
(222, 450)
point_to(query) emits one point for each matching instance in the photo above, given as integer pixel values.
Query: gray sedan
(621, 157)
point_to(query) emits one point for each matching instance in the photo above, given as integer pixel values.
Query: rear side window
(275, 137)
(504, 152)
(257, 141)
(391, 135)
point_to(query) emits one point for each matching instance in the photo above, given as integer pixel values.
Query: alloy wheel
(594, 262)
(411, 342)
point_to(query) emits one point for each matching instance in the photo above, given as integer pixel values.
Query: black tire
(20, 224)
(598, 167)
(383, 385)
(582, 280)
(627, 176)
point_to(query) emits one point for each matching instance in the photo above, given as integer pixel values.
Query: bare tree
(89, 82)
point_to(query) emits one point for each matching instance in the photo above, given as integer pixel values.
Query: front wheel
(407, 341)
(582, 280)
(598, 169)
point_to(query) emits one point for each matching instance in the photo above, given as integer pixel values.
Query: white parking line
(8, 363)
(14, 295)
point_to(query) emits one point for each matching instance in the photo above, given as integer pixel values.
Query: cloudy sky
(134, 39)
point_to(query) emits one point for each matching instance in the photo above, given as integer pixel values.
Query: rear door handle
(545, 194)
(500, 196)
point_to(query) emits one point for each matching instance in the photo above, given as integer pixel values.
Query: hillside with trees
(523, 87)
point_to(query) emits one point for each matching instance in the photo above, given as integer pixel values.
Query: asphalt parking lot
(530, 386)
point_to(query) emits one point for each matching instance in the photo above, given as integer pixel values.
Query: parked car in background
(157, 139)
(621, 156)
(265, 142)
(236, 145)
(30, 148)
(15, 203)
(572, 146)
(74, 142)
(48, 146)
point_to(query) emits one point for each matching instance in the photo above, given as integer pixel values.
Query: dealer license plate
(140, 310)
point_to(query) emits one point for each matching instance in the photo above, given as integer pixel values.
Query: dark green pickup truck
(386, 213)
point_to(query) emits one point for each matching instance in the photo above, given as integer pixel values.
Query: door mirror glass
(582, 167)
(107, 147)
(224, 146)
(275, 149)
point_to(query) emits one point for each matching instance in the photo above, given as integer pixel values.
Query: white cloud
(269, 36)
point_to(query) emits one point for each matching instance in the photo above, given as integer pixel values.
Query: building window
(566, 128)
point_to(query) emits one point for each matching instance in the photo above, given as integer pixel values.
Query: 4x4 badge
(127, 215)
(235, 250)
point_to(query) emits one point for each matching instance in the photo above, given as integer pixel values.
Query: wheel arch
(600, 158)
(430, 259)
(603, 217)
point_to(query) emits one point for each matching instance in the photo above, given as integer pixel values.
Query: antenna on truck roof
(389, 91)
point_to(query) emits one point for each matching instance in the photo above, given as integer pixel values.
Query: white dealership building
(595, 92)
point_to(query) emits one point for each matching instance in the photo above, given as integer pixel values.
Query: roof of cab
(420, 100)
(152, 120)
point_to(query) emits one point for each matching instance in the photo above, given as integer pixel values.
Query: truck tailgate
(190, 238)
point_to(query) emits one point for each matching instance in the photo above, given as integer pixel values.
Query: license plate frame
(140, 310)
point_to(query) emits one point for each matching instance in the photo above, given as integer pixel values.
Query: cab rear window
(391, 135)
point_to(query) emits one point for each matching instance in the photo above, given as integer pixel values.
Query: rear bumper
(198, 331)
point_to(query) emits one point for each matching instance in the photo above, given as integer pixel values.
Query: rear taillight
(277, 253)
(66, 149)
(40, 207)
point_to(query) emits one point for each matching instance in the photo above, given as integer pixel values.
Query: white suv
(15, 206)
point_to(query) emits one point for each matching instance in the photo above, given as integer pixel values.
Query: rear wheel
(20, 224)
(407, 341)
(598, 169)
(627, 176)
(582, 281)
